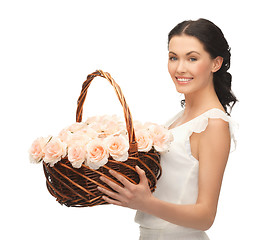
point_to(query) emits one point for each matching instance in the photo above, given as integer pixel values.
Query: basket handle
(133, 148)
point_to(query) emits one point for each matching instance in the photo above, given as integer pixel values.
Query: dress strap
(172, 120)
(199, 124)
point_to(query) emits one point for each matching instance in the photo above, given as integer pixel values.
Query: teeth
(184, 79)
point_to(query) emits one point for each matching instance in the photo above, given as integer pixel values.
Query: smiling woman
(205, 39)
(189, 61)
(185, 202)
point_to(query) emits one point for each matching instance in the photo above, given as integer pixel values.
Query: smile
(184, 80)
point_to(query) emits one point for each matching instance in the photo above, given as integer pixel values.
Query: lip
(187, 80)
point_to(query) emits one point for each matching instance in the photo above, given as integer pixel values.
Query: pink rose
(138, 126)
(161, 136)
(102, 119)
(118, 147)
(55, 150)
(150, 125)
(78, 138)
(76, 127)
(76, 155)
(65, 135)
(83, 135)
(92, 120)
(96, 155)
(144, 140)
(36, 152)
(89, 132)
(106, 125)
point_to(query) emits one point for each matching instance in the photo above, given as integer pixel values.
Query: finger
(112, 184)
(122, 179)
(142, 175)
(109, 193)
(111, 201)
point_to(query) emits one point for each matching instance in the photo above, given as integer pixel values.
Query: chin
(182, 90)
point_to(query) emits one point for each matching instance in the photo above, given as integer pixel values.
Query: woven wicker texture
(77, 187)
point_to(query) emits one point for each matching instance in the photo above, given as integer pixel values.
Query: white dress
(179, 181)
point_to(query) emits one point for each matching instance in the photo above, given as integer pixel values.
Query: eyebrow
(186, 54)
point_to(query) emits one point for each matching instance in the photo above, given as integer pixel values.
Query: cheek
(202, 69)
(171, 68)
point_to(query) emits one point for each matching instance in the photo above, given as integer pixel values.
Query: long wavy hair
(216, 45)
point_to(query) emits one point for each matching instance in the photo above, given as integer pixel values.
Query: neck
(198, 102)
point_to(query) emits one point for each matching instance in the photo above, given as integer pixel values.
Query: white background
(47, 48)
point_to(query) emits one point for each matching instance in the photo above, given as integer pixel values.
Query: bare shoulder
(217, 125)
(217, 128)
(216, 137)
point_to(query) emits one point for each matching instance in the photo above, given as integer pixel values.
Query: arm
(213, 151)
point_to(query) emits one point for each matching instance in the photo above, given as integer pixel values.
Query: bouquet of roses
(94, 141)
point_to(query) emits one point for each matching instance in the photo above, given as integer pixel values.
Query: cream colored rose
(106, 125)
(96, 154)
(83, 134)
(77, 138)
(65, 135)
(144, 140)
(161, 136)
(76, 127)
(55, 150)
(89, 132)
(150, 126)
(77, 154)
(92, 120)
(36, 152)
(117, 147)
(138, 125)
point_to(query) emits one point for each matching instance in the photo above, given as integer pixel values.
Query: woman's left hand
(135, 196)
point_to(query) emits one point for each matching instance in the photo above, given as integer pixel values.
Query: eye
(172, 58)
(192, 59)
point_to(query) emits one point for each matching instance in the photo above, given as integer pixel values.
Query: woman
(184, 204)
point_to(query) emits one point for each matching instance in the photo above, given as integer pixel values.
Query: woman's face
(190, 66)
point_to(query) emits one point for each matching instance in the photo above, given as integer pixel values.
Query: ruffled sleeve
(200, 123)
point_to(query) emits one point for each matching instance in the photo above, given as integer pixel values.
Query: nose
(181, 68)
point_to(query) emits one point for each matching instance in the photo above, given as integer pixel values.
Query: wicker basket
(77, 187)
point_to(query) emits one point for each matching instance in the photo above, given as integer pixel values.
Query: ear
(217, 63)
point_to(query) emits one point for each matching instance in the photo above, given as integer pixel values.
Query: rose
(106, 125)
(55, 150)
(138, 125)
(77, 154)
(96, 155)
(36, 152)
(78, 137)
(93, 119)
(161, 136)
(149, 126)
(89, 132)
(65, 135)
(76, 127)
(118, 147)
(102, 119)
(144, 140)
(84, 134)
